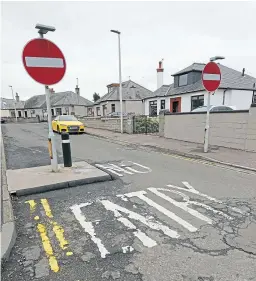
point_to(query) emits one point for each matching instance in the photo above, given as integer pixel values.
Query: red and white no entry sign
(211, 77)
(44, 61)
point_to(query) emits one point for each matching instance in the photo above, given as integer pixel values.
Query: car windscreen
(67, 118)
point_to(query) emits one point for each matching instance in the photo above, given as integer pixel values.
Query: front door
(175, 105)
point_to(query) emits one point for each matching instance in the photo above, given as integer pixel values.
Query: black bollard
(66, 149)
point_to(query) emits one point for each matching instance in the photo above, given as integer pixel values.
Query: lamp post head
(115, 31)
(43, 29)
(217, 58)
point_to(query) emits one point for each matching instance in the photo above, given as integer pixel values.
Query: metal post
(120, 84)
(52, 146)
(207, 124)
(54, 160)
(66, 149)
(14, 104)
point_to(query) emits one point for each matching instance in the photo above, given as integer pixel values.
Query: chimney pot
(243, 71)
(17, 97)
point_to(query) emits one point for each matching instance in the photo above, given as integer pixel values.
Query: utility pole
(120, 79)
(14, 104)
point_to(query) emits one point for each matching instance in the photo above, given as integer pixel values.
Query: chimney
(77, 89)
(243, 71)
(17, 97)
(160, 74)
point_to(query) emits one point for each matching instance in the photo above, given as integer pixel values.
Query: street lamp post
(14, 103)
(120, 79)
(207, 123)
(43, 29)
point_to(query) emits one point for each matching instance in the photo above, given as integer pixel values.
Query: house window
(183, 80)
(197, 101)
(104, 109)
(12, 113)
(89, 111)
(19, 113)
(58, 111)
(52, 110)
(162, 104)
(254, 97)
(98, 111)
(153, 108)
(113, 107)
(26, 114)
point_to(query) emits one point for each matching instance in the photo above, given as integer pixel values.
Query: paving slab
(42, 179)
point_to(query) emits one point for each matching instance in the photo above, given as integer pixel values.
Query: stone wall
(112, 124)
(236, 129)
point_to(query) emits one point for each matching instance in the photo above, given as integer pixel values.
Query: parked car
(67, 123)
(3, 120)
(214, 108)
(116, 114)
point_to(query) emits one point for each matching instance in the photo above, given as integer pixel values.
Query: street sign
(44, 61)
(211, 77)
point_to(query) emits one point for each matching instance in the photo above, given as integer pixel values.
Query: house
(132, 94)
(8, 107)
(187, 92)
(61, 103)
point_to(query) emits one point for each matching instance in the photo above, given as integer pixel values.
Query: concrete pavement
(231, 157)
(162, 218)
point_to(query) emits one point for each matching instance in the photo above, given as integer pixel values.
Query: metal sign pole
(207, 124)
(52, 147)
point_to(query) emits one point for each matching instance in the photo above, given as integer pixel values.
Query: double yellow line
(57, 229)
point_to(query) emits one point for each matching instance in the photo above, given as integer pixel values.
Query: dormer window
(183, 80)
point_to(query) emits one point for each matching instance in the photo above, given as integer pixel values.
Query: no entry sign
(44, 61)
(211, 77)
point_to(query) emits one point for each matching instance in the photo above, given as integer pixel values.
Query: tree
(96, 97)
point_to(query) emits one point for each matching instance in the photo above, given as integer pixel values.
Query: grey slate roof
(230, 78)
(195, 67)
(57, 99)
(9, 104)
(130, 91)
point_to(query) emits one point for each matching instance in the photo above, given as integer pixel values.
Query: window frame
(113, 106)
(192, 98)
(183, 75)
(98, 111)
(162, 102)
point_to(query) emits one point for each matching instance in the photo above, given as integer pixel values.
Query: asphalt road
(162, 218)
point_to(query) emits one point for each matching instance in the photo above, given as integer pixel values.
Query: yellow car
(67, 123)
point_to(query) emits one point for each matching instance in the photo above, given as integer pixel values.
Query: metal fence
(143, 124)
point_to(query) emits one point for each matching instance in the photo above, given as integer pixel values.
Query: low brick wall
(111, 124)
(236, 129)
(21, 120)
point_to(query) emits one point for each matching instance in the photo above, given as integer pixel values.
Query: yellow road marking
(48, 248)
(57, 229)
(59, 232)
(47, 208)
(32, 205)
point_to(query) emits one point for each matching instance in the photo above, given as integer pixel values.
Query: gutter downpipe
(224, 96)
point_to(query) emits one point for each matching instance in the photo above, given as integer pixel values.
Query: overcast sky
(179, 32)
